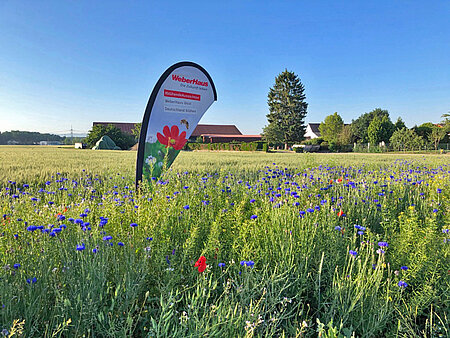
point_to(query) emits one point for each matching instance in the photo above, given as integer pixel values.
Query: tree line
(31, 137)
(288, 109)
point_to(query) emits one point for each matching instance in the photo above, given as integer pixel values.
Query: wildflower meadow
(224, 245)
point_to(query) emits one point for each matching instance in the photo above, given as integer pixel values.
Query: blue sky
(66, 63)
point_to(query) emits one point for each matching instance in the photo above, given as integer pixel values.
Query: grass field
(293, 245)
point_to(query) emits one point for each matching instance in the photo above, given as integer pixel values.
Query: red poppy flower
(340, 213)
(201, 264)
(172, 137)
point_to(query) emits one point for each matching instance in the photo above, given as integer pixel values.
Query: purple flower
(107, 238)
(383, 244)
(353, 253)
(338, 228)
(402, 284)
(221, 265)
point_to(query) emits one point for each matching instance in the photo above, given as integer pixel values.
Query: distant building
(312, 131)
(214, 129)
(79, 145)
(50, 143)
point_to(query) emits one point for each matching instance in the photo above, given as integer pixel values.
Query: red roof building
(220, 129)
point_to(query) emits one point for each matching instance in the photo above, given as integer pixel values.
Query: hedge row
(248, 146)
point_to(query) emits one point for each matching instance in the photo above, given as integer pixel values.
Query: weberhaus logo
(193, 81)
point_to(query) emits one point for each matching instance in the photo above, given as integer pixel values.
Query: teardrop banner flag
(180, 98)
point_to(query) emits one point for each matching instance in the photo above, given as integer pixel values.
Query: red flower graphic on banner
(172, 137)
(201, 264)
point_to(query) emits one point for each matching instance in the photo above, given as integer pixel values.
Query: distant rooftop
(217, 129)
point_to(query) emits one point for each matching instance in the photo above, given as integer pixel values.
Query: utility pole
(71, 133)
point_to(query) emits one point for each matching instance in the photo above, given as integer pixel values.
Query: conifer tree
(287, 107)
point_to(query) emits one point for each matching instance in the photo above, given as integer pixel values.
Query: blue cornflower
(221, 265)
(120, 244)
(149, 238)
(310, 210)
(133, 225)
(402, 284)
(107, 238)
(81, 247)
(353, 253)
(31, 281)
(186, 207)
(250, 263)
(78, 221)
(439, 191)
(252, 200)
(32, 228)
(404, 268)
(338, 228)
(16, 266)
(94, 250)
(383, 244)
(360, 232)
(253, 217)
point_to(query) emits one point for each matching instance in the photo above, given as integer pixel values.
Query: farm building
(312, 131)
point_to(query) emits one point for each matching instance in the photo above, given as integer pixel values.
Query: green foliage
(136, 131)
(27, 137)
(424, 130)
(331, 128)
(313, 141)
(287, 107)
(399, 124)
(361, 124)
(272, 133)
(380, 130)
(122, 140)
(437, 134)
(406, 139)
(346, 136)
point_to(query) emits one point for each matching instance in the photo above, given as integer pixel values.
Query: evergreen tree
(287, 107)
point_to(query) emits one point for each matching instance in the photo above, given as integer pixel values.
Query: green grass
(304, 280)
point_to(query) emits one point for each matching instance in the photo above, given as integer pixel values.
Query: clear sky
(66, 63)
